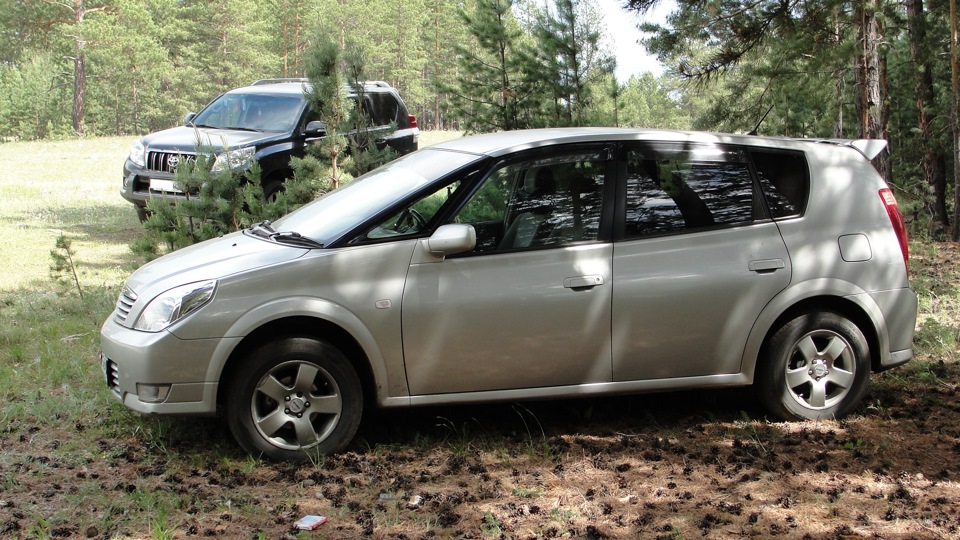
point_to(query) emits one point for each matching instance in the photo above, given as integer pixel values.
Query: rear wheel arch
(839, 305)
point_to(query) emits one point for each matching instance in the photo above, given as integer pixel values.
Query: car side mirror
(452, 239)
(316, 127)
(190, 116)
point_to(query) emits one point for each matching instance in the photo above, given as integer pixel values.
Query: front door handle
(766, 266)
(583, 282)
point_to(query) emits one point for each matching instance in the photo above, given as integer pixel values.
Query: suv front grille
(124, 304)
(167, 161)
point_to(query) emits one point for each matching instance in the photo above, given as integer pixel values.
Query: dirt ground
(680, 465)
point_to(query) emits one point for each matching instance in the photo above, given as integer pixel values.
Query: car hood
(185, 139)
(214, 259)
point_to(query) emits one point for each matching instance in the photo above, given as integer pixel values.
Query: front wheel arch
(320, 329)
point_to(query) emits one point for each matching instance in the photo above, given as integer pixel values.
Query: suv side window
(550, 201)
(676, 188)
(784, 180)
(385, 107)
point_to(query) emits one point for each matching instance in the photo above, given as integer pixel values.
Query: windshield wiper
(295, 239)
(241, 128)
(263, 229)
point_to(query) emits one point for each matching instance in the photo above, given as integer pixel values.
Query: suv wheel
(294, 398)
(142, 213)
(271, 188)
(816, 366)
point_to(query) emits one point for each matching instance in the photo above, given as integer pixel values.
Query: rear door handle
(766, 266)
(583, 282)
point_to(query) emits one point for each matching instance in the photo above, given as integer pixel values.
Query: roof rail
(278, 81)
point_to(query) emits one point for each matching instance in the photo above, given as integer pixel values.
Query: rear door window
(673, 188)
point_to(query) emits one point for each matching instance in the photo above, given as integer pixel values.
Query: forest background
(808, 68)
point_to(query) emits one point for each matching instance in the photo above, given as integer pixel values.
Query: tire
(293, 399)
(271, 188)
(815, 367)
(142, 212)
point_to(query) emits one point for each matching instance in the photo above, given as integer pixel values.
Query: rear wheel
(294, 398)
(816, 366)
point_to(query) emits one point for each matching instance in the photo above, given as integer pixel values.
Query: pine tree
(570, 53)
(487, 93)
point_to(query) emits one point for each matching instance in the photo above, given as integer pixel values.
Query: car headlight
(174, 305)
(234, 159)
(137, 154)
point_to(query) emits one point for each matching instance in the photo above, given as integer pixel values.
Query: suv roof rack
(278, 81)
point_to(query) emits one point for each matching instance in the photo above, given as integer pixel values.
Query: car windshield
(252, 112)
(336, 213)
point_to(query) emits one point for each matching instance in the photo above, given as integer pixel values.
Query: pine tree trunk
(933, 161)
(955, 119)
(79, 69)
(79, 88)
(868, 74)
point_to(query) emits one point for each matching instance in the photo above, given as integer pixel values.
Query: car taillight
(413, 120)
(899, 225)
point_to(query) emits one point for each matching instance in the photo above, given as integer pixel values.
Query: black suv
(268, 121)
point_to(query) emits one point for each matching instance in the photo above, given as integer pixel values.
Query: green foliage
(63, 266)
(490, 92)
(218, 203)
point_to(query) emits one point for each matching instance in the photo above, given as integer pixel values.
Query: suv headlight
(174, 305)
(234, 159)
(137, 154)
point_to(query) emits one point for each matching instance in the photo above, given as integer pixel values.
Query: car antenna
(764, 117)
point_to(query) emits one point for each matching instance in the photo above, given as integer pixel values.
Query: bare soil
(700, 464)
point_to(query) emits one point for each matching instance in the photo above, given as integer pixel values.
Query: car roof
(508, 142)
(297, 87)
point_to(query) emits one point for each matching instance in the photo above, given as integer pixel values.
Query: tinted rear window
(784, 180)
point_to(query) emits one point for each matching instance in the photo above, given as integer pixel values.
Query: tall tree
(788, 39)
(955, 116)
(934, 162)
(487, 92)
(572, 57)
(72, 15)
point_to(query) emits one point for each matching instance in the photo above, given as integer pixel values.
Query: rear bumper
(898, 308)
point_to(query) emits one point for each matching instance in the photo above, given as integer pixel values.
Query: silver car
(525, 265)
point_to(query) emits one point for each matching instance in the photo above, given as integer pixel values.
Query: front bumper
(136, 185)
(158, 373)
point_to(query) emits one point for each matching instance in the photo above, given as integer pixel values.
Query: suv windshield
(338, 212)
(252, 112)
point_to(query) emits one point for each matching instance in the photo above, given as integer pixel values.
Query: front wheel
(816, 366)
(294, 398)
